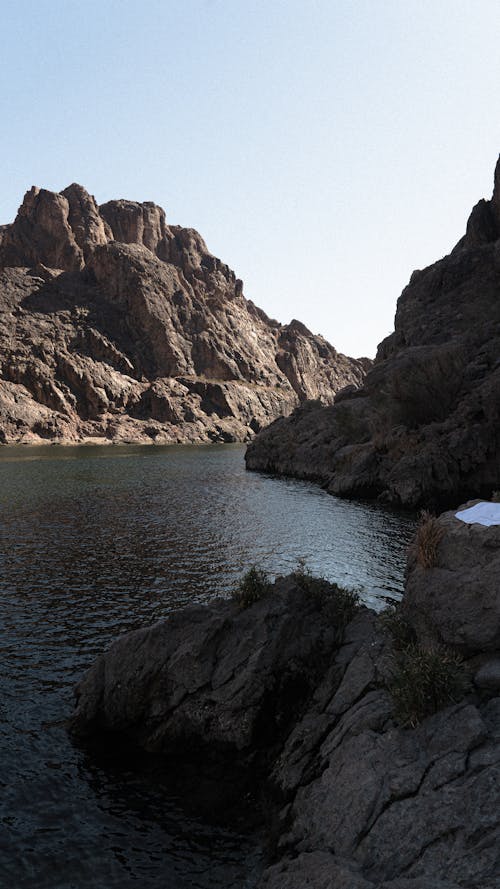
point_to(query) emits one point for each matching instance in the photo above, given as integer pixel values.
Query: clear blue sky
(324, 148)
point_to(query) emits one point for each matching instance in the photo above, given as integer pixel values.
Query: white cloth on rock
(484, 513)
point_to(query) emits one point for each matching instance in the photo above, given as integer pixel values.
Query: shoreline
(365, 773)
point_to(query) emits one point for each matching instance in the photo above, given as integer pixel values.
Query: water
(99, 541)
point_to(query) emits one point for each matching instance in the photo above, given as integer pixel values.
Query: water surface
(96, 541)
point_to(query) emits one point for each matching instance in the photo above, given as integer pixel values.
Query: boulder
(456, 599)
(230, 678)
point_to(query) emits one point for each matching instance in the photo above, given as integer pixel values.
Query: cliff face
(115, 326)
(425, 425)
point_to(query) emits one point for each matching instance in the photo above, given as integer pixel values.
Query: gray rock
(360, 803)
(220, 676)
(488, 675)
(323, 870)
(457, 600)
(319, 870)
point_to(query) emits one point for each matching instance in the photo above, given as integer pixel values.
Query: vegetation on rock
(341, 603)
(278, 686)
(253, 586)
(429, 535)
(424, 680)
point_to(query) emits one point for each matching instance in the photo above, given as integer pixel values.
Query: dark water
(98, 541)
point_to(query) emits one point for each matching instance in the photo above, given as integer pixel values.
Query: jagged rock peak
(61, 229)
(135, 223)
(117, 326)
(483, 225)
(88, 226)
(41, 232)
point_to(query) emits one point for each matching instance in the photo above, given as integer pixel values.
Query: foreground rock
(452, 591)
(218, 676)
(115, 326)
(424, 428)
(303, 704)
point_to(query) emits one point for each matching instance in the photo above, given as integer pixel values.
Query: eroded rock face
(115, 326)
(134, 223)
(424, 428)
(42, 233)
(360, 802)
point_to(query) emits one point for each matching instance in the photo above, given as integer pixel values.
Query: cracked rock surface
(360, 801)
(115, 326)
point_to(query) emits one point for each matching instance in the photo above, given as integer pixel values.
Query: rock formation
(360, 800)
(424, 428)
(115, 326)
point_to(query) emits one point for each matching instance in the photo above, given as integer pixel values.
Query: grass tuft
(253, 586)
(341, 603)
(395, 624)
(424, 680)
(429, 535)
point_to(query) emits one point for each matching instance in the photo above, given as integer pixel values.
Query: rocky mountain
(115, 326)
(424, 428)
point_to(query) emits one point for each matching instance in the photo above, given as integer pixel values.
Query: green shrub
(340, 603)
(424, 680)
(395, 624)
(253, 586)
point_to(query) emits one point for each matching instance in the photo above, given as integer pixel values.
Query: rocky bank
(115, 326)
(377, 750)
(424, 428)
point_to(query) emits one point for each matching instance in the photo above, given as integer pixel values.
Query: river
(96, 541)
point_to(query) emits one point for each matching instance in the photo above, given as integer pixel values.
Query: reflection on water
(98, 541)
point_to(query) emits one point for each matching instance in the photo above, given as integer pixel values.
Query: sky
(324, 149)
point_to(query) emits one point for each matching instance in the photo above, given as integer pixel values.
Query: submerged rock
(304, 703)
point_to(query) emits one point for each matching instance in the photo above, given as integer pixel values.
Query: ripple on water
(99, 541)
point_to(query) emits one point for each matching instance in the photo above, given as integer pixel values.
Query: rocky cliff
(424, 428)
(115, 326)
(376, 746)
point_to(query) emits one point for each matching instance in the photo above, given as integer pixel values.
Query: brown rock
(134, 223)
(88, 227)
(117, 327)
(42, 233)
